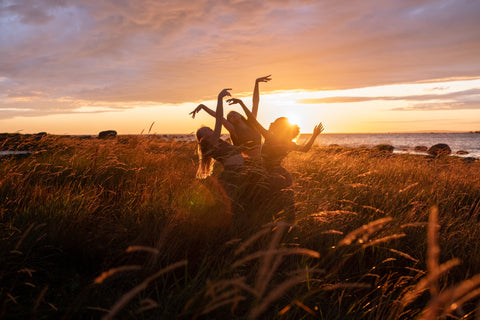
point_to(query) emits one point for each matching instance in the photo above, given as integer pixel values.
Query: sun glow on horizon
(434, 106)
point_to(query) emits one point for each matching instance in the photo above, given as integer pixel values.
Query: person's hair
(284, 129)
(245, 120)
(235, 112)
(205, 161)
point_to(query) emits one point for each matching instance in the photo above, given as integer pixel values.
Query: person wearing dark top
(242, 133)
(277, 144)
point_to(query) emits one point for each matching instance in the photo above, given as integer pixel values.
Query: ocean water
(403, 142)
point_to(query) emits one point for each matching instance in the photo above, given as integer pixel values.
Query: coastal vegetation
(121, 228)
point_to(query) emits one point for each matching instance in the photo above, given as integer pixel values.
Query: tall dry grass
(121, 229)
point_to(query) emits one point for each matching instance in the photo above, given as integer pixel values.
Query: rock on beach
(421, 149)
(385, 148)
(107, 134)
(440, 149)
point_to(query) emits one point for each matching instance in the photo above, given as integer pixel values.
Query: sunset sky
(82, 66)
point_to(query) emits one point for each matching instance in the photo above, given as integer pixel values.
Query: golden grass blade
(154, 251)
(418, 271)
(373, 208)
(142, 286)
(384, 239)
(304, 307)
(332, 212)
(52, 306)
(365, 229)
(233, 300)
(451, 298)
(224, 295)
(332, 232)
(27, 271)
(354, 285)
(433, 249)
(98, 309)
(24, 235)
(246, 287)
(405, 255)
(102, 277)
(251, 240)
(275, 294)
(358, 185)
(414, 224)
(39, 299)
(212, 288)
(408, 187)
(220, 298)
(366, 173)
(147, 305)
(424, 284)
(151, 126)
(282, 251)
(267, 257)
(285, 310)
(12, 298)
(469, 296)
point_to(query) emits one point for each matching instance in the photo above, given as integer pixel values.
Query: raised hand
(234, 101)
(197, 110)
(318, 129)
(264, 79)
(224, 93)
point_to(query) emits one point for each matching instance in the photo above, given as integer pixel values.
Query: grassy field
(121, 229)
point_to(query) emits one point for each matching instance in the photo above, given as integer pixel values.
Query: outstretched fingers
(197, 110)
(318, 128)
(233, 101)
(224, 93)
(264, 79)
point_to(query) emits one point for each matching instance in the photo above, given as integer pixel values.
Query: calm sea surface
(404, 142)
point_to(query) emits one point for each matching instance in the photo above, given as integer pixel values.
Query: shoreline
(25, 144)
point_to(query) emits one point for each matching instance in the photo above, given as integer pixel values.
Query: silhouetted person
(212, 148)
(242, 133)
(278, 143)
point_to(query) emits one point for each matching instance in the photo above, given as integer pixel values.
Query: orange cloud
(174, 51)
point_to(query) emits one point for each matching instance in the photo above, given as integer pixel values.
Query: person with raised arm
(242, 134)
(278, 143)
(212, 148)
